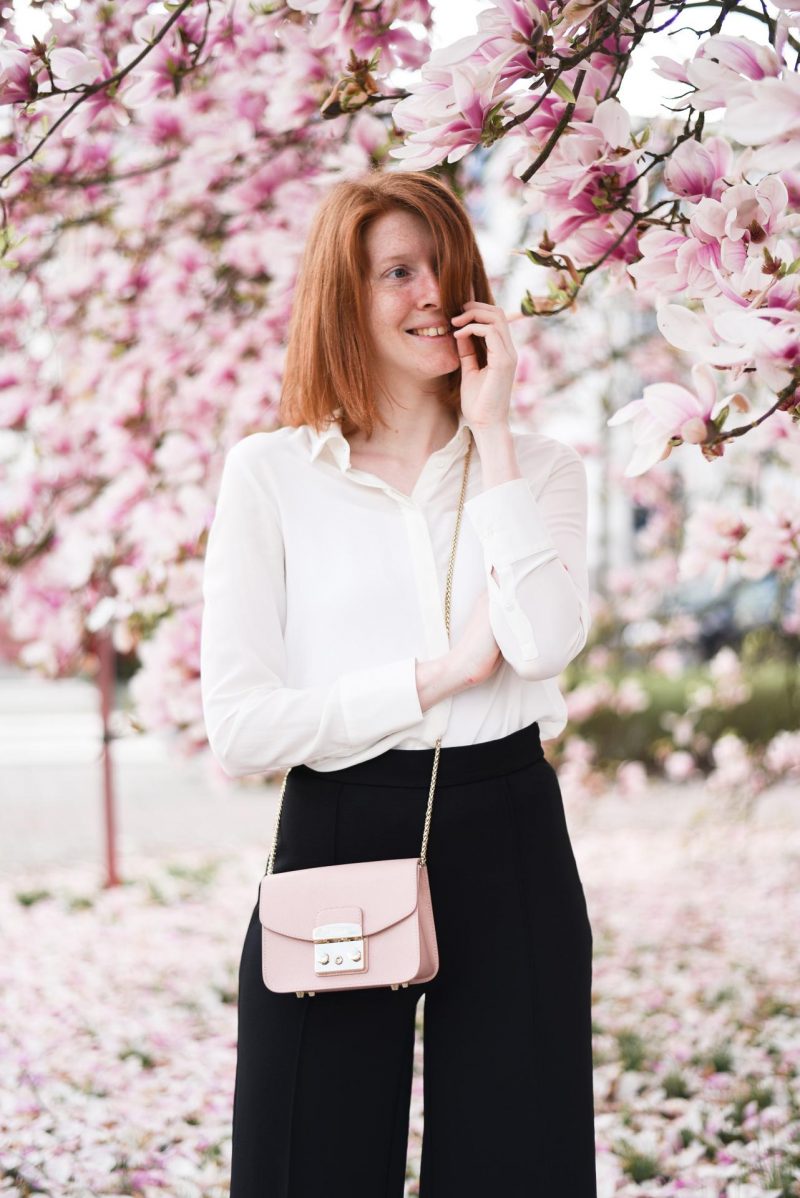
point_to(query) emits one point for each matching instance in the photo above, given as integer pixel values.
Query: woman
(324, 647)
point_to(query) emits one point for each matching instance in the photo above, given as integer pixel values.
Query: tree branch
(91, 89)
(566, 116)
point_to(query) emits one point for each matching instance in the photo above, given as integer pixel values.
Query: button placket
(431, 604)
(423, 559)
(427, 580)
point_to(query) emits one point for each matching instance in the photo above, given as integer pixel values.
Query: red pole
(105, 652)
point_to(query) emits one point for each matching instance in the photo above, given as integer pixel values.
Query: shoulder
(267, 457)
(263, 447)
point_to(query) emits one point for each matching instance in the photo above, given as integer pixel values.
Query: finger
(495, 316)
(490, 332)
(466, 348)
(486, 310)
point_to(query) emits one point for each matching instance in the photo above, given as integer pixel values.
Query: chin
(445, 363)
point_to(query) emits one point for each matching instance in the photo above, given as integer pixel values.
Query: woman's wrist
(497, 451)
(437, 679)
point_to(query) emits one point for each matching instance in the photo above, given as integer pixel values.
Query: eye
(394, 268)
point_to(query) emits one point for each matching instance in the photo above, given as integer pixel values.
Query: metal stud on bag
(342, 948)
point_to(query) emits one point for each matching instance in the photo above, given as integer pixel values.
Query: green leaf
(539, 259)
(721, 416)
(564, 91)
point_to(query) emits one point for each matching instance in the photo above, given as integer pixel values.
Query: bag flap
(386, 891)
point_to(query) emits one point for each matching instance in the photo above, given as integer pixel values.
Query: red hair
(329, 359)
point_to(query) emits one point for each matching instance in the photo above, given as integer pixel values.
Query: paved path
(51, 799)
(51, 786)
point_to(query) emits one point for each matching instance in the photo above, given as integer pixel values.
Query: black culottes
(323, 1083)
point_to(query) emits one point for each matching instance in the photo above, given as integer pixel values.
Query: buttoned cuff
(508, 522)
(378, 700)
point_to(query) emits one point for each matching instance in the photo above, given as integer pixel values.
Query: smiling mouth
(431, 334)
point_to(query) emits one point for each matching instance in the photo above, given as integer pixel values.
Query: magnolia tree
(161, 172)
(161, 164)
(633, 704)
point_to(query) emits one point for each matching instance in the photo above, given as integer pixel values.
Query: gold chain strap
(448, 593)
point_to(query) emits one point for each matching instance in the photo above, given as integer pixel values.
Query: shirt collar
(339, 447)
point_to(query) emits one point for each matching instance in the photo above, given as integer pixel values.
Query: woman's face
(403, 295)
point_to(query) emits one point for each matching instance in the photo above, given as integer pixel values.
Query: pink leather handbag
(360, 924)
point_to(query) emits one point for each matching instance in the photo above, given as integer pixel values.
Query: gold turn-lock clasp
(339, 948)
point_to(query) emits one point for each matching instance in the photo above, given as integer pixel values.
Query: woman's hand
(471, 660)
(486, 392)
(476, 654)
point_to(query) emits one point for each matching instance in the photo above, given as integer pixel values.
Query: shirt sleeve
(256, 723)
(539, 604)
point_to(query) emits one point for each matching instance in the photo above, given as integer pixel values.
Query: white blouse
(323, 585)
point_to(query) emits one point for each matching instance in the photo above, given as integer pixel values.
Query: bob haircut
(330, 354)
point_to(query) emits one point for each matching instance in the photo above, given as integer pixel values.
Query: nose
(428, 295)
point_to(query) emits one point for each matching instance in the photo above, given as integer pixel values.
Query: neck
(413, 431)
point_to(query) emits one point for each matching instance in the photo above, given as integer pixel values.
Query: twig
(566, 116)
(91, 88)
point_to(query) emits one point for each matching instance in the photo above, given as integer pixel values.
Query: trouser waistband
(457, 763)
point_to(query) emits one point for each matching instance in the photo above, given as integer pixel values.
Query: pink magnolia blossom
(464, 107)
(71, 67)
(668, 410)
(733, 767)
(100, 104)
(712, 538)
(344, 25)
(680, 766)
(461, 83)
(698, 169)
(576, 185)
(769, 337)
(723, 255)
(17, 84)
(538, 127)
(721, 70)
(596, 147)
(749, 80)
(767, 111)
(782, 754)
(773, 540)
(756, 211)
(657, 268)
(157, 74)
